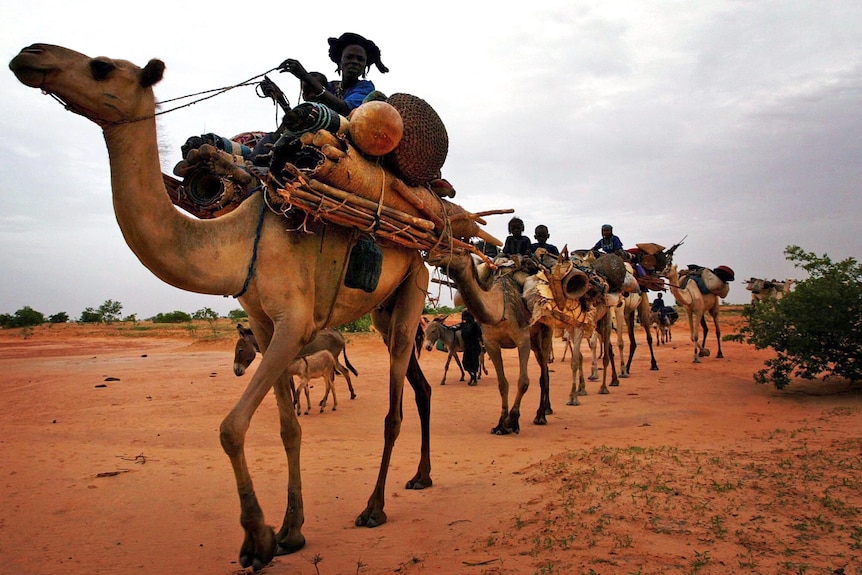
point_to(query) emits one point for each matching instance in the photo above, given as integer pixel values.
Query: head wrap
(607, 227)
(337, 46)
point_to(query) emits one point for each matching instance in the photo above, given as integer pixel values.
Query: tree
(24, 317)
(209, 315)
(61, 317)
(816, 329)
(237, 314)
(172, 317)
(110, 311)
(90, 315)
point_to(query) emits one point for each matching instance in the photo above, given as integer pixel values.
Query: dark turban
(337, 46)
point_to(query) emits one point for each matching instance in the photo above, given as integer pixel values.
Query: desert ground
(111, 463)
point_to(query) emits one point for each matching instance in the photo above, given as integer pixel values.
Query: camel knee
(232, 435)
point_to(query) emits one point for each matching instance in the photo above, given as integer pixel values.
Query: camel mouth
(29, 73)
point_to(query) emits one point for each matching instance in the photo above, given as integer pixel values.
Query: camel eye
(101, 69)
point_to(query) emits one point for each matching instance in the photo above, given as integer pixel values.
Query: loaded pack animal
(252, 255)
(330, 339)
(663, 333)
(768, 289)
(437, 331)
(699, 291)
(499, 308)
(320, 364)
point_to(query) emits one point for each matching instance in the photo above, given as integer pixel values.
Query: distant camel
(499, 308)
(696, 303)
(329, 339)
(772, 289)
(437, 330)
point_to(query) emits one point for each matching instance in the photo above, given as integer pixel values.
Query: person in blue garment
(609, 243)
(353, 55)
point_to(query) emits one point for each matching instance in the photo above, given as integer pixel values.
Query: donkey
(451, 338)
(328, 339)
(320, 364)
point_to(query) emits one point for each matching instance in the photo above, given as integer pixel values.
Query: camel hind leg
(397, 321)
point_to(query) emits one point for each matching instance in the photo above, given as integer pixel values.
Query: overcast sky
(736, 124)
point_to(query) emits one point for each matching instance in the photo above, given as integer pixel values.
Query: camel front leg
(259, 544)
(290, 538)
(496, 355)
(513, 421)
(579, 386)
(594, 367)
(542, 344)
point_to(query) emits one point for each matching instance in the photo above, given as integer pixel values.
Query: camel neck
(202, 256)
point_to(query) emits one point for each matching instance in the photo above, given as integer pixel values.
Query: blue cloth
(608, 246)
(355, 95)
(551, 248)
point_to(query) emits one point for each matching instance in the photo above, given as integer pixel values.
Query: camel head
(103, 90)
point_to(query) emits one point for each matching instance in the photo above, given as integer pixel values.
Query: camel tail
(347, 362)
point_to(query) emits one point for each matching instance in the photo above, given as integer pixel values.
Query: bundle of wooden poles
(337, 184)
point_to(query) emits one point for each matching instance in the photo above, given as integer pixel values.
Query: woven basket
(612, 268)
(423, 148)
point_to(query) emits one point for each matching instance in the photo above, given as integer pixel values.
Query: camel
(329, 339)
(287, 282)
(696, 304)
(502, 313)
(763, 289)
(451, 338)
(624, 314)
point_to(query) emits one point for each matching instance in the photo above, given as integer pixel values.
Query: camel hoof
(473, 383)
(370, 518)
(352, 395)
(258, 556)
(604, 391)
(593, 378)
(654, 368)
(419, 483)
(540, 421)
(286, 546)
(616, 383)
(573, 402)
(704, 352)
(719, 356)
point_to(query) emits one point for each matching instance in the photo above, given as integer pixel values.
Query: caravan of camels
(377, 220)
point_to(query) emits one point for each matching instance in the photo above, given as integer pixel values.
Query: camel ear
(152, 73)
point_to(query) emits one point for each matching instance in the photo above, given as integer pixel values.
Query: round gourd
(376, 128)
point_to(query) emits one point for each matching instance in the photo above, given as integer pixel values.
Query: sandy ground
(110, 463)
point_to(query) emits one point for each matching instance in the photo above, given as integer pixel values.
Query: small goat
(316, 365)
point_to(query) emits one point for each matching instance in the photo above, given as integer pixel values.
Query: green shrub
(172, 317)
(61, 317)
(237, 314)
(24, 317)
(362, 324)
(816, 329)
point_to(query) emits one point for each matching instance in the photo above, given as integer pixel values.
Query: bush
(24, 317)
(237, 314)
(362, 324)
(61, 317)
(90, 315)
(815, 329)
(172, 317)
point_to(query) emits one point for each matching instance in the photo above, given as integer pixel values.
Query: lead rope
(257, 234)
